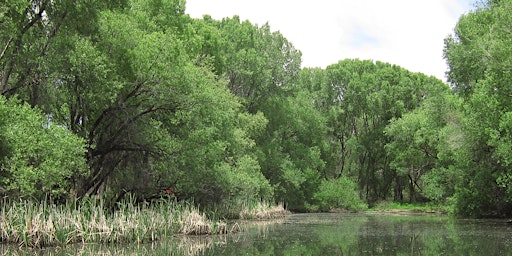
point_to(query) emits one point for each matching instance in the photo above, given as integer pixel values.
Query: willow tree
(152, 115)
(34, 35)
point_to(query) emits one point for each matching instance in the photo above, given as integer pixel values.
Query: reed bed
(263, 211)
(38, 225)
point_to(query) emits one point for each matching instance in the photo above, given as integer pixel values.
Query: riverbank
(393, 208)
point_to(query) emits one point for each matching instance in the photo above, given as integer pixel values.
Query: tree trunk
(398, 195)
(412, 192)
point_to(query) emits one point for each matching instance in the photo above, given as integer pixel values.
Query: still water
(326, 234)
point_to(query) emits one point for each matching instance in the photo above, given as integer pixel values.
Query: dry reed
(30, 224)
(263, 211)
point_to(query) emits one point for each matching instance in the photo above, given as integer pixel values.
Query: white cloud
(408, 33)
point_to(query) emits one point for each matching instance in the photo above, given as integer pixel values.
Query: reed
(263, 211)
(30, 224)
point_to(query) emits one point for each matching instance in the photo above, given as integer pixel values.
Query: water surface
(326, 234)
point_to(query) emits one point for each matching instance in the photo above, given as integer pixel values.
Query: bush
(339, 193)
(38, 156)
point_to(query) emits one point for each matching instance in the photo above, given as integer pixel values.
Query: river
(326, 234)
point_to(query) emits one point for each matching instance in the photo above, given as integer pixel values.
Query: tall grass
(26, 223)
(263, 211)
(249, 209)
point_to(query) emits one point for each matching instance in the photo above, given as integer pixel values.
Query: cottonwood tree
(368, 95)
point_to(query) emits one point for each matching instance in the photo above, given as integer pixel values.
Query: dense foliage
(135, 97)
(38, 157)
(480, 59)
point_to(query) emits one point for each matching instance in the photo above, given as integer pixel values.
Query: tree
(421, 146)
(151, 113)
(291, 149)
(112, 83)
(34, 37)
(336, 194)
(367, 95)
(131, 79)
(479, 60)
(214, 160)
(257, 62)
(261, 67)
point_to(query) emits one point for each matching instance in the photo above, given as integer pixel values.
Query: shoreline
(404, 212)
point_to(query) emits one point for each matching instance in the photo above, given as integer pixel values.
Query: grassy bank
(26, 223)
(409, 207)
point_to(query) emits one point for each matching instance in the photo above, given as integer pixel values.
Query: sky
(408, 33)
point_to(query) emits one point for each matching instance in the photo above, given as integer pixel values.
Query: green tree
(479, 59)
(34, 37)
(133, 80)
(291, 149)
(365, 96)
(153, 117)
(112, 83)
(257, 62)
(215, 160)
(421, 146)
(261, 67)
(336, 194)
(39, 157)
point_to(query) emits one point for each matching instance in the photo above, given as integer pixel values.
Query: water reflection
(326, 234)
(342, 234)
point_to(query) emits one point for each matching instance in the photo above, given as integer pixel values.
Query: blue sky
(408, 33)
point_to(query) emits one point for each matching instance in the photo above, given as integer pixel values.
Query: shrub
(38, 156)
(339, 193)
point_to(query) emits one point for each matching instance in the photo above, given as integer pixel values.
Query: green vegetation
(340, 193)
(38, 158)
(37, 225)
(118, 98)
(409, 207)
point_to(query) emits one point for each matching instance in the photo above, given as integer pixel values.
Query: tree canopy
(136, 97)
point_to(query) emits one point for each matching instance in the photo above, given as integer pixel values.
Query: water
(326, 234)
